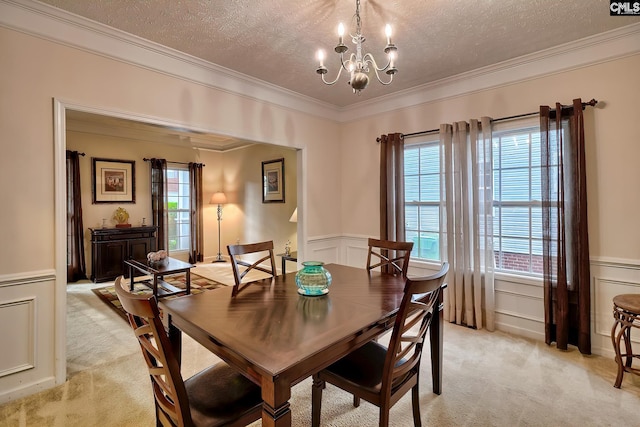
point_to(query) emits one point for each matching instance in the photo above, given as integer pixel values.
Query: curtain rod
(592, 103)
(176, 163)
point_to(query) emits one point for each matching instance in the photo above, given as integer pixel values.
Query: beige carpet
(490, 379)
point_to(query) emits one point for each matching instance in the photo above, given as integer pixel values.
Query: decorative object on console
(287, 248)
(122, 218)
(313, 279)
(218, 198)
(358, 63)
(273, 181)
(114, 181)
(157, 257)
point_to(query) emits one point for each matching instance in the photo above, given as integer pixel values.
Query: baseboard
(27, 389)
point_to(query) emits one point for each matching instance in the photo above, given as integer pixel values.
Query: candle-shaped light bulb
(340, 32)
(387, 31)
(392, 58)
(320, 56)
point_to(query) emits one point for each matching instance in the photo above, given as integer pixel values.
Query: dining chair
(393, 256)
(242, 268)
(216, 396)
(382, 375)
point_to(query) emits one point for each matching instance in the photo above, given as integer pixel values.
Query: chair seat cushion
(219, 394)
(362, 367)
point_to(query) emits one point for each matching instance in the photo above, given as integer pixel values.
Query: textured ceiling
(276, 40)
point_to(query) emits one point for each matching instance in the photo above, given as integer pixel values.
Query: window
(178, 208)
(516, 198)
(422, 198)
(517, 207)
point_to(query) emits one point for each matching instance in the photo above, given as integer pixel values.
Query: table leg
(275, 404)
(188, 281)
(155, 285)
(175, 338)
(131, 278)
(436, 332)
(284, 266)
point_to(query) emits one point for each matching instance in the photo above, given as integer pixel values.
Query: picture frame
(113, 181)
(273, 181)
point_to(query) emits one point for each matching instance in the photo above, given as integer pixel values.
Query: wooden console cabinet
(110, 247)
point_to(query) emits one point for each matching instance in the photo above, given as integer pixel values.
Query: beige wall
(612, 147)
(246, 219)
(35, 71)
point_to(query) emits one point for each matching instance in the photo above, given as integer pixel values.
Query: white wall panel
(610, 277)
(325, 249)
(27, 319)
(20, 337)
(355, 249)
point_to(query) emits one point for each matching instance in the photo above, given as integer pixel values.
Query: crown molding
(603, 47)
(50, 23)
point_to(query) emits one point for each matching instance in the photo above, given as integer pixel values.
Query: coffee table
(168, 267)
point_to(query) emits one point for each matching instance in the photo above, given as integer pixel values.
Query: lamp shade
(294, 216)
(218, 198)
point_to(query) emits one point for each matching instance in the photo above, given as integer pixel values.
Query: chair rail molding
(27, 277)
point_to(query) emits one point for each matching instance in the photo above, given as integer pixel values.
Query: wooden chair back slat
(170, 395)
(241, 268)
(392, 257)
(418, 307)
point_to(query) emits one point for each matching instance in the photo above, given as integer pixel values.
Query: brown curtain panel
(564, 227)
(158, 201)
(196, 250)
(76, 267)
(392, 221)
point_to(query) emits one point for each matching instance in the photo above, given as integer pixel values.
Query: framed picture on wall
(114, 181)
(273, 181)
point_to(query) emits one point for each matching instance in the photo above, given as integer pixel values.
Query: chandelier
(359, 64)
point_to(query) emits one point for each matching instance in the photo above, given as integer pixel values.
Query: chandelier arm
(371, 60)
(378, 77)
(344, 63)
(334, 81)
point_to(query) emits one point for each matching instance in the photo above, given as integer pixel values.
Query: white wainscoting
(610, 277)
(519, 301)
(27, 338)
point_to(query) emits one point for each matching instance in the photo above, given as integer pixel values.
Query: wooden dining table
(277, 337)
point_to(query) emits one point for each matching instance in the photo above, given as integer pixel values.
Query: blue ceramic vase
(313, 279)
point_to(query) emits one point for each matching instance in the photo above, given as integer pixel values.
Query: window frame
(431, 141)
(501, 130)
(179, 212)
